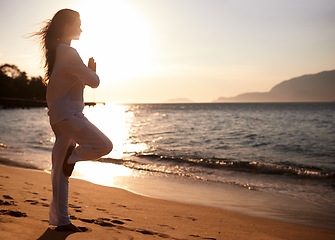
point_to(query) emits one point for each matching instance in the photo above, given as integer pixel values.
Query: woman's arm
(86, 74)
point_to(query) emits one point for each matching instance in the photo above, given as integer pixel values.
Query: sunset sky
(155, 50)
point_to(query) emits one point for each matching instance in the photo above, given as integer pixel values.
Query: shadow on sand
(51, 234)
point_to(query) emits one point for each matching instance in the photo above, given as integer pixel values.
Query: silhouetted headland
(318, 87)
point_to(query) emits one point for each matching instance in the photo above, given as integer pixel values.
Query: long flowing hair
(49, 37)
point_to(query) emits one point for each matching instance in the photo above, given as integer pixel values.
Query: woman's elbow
(95, 83)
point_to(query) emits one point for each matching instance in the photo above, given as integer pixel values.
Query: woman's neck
(65, 41)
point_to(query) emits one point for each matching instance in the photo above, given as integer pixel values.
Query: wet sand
(112, 213)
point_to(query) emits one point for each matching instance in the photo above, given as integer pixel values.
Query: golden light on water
(115, 122)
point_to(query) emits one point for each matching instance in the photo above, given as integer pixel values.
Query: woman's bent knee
(106, 148)
(109, 147)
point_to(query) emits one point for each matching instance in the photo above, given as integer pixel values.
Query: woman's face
(73, 31)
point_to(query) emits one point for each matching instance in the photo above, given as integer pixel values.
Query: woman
(77, 139)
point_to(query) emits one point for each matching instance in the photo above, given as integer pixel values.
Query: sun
(119, 39)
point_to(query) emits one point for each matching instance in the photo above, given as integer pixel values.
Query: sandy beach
(112, 213)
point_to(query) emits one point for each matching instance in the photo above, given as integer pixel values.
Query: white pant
(92, 144)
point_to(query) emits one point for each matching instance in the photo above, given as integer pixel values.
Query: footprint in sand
(86, 220)
(13, 213)
(127, 219)
(85, 229)
(119, 205)
(105, 222)
(147, 232)
(197, 236)
(7, 197)
(166, 226)
(117, 222)
(6, 203)
(74, 206)
(187, 218)
(35, 202)
(32, 202)
(101, 209)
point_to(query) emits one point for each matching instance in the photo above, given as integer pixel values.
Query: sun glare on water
(118, 37)
(115, 122)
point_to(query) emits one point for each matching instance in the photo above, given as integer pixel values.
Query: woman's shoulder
(66, 48)
(67, 51)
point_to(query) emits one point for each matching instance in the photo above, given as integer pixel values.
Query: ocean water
(266, 159)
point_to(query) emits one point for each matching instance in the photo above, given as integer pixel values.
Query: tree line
(15, 83)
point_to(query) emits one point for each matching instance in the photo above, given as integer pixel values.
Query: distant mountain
(179, 100)
(318, 87)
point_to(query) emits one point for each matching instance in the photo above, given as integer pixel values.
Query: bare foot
(68, 168)
(68, 228)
